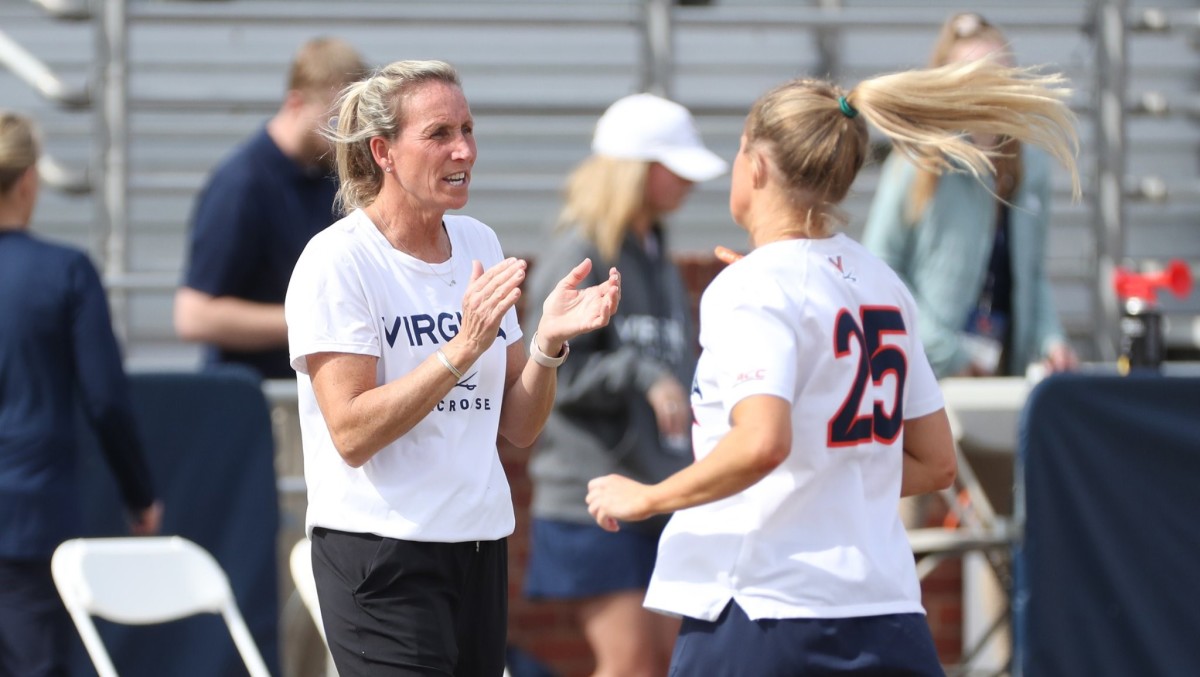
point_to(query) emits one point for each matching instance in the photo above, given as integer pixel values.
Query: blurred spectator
(260, 207)
(622, 401)
(973, 253)
(57, 349)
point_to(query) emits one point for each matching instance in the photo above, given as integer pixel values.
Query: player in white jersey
(410, 365)
(815, 407)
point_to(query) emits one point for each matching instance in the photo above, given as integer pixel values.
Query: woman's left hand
(613, 497)
(1059, 358)
(570, 311)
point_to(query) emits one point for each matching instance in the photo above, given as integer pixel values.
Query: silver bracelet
(545, 360)
(446, 361)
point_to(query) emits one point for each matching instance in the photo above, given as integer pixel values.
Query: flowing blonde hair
(19, 148)
(928, 114)
(375, 107)
(962, 28)
(603, 196)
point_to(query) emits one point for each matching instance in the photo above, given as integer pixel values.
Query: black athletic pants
(393, 607)
(35, 630)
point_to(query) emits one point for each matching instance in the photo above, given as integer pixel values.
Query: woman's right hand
(725, 254)
(671, 406)
(147, 521)
(489, 296)
(570, 310)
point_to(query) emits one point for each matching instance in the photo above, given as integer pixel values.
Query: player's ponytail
(18, 148)
(930, 114)
(816, 134)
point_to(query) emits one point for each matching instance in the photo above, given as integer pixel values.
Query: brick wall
(549, 631)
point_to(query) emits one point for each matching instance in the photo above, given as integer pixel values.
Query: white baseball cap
(651, 128)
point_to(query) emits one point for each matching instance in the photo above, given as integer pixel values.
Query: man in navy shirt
(259, 209)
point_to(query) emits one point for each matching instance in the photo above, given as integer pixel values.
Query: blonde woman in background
(814, 403)
(972, 252)
(622, 401)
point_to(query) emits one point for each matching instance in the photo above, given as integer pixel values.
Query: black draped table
(1108, 573)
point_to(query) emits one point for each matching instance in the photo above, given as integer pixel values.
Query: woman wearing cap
(622, 400)
(973, 253)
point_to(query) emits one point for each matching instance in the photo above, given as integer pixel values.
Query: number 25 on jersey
(876, 360)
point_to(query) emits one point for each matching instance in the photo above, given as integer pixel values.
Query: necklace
(448, 282)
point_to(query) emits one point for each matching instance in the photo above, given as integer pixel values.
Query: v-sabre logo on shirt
(837, 263)
(422, 327)
(456, 402)
(466, 382)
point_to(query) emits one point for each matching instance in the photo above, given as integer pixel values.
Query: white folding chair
(300, 562)
(142, 581)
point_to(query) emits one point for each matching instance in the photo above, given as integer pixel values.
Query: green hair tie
(847, 110)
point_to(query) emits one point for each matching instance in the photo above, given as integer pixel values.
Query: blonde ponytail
(18, 148)
(816, 134)
(930, 114)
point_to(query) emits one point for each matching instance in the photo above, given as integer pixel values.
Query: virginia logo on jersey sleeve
(836, 261)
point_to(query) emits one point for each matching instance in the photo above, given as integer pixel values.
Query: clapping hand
(490, 294)
(570, 311)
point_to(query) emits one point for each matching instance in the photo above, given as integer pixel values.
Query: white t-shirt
(442, 481)
(820, 536)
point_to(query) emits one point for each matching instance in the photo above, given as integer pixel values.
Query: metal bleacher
(202, 75)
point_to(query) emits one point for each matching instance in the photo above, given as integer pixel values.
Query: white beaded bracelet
(545, 360)
(446, 361)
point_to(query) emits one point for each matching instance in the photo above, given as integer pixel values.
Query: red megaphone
(1177, 277)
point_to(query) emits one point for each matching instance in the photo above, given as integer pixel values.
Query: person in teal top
(972, 252)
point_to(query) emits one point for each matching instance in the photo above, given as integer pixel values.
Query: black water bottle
(1141, 336)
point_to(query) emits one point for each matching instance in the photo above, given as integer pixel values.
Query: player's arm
(758, 441)
(929, 460)
(229, 322)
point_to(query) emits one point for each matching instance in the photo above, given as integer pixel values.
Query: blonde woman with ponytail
(403, 330)
(815, 406)
(58, 357)
(973, 252)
